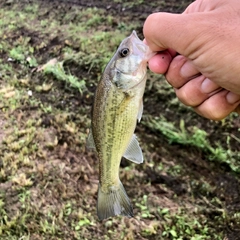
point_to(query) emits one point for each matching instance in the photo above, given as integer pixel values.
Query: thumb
(176, 31)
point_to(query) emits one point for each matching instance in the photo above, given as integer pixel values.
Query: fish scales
(117, 125)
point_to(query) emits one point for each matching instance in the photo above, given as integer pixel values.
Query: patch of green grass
(17, 54)
(176, 223)
(91, 57)
(57, 70)
(182, 226)
(10, 97)
(194, 137)
(144, 209)
(22, 56)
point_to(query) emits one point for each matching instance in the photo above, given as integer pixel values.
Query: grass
(50, 63)
(56, 69)
(195, 137)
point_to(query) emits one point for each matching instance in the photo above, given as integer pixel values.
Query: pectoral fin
(90, 141)
(140, 111)
(134, 152)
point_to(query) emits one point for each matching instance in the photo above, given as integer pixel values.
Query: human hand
(199, 53)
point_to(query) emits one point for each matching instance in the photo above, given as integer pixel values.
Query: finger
(165, 30)
(196, 7)
(196, 91)
(159, 63)
(218, 106)
(171, 51)
(204, 6)
(180, 71)
(199, 44)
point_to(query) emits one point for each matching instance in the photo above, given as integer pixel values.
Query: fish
(117, 106)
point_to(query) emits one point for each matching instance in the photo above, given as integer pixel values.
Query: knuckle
(185, 97)
(214, 112)
(216, 116)
(173, 75)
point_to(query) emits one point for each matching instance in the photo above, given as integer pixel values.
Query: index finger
(160, 62)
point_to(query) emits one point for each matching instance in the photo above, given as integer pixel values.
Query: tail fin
(115, 202)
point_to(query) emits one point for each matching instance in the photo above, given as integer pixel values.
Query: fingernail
(188, 70)
(208, 86)
(232, 98)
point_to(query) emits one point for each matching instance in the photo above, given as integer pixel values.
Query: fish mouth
(142, 47)
(134, 35)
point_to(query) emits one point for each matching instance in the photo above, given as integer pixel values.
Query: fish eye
(124, 52)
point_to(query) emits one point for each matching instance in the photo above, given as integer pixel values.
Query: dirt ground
(52, 54)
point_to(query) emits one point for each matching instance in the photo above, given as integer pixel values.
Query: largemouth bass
(117, 107)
